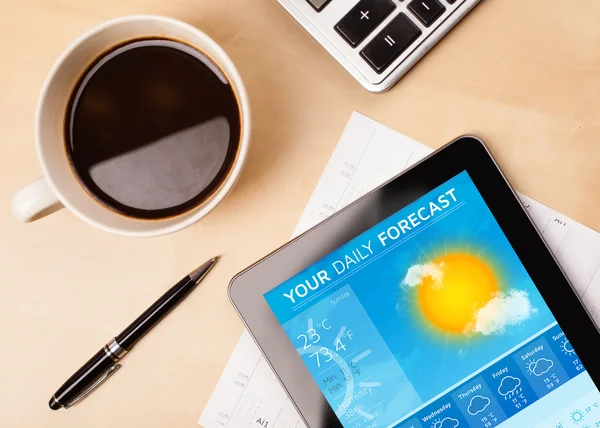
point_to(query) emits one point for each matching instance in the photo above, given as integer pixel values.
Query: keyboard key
(362, 19)
(318, 4)
(394, 39)
(426, 10)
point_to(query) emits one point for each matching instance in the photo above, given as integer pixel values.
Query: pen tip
(199, 273)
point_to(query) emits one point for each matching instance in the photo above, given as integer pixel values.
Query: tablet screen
(429, 320)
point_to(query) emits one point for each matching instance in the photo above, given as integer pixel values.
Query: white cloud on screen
(417, 273)
(503, 310)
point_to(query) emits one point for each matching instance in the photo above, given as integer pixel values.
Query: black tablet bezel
(468, 153)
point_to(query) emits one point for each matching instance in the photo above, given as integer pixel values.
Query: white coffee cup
(59, 185)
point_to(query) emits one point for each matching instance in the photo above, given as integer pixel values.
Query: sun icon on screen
(577, 416)
(451, 299)
(567, 348)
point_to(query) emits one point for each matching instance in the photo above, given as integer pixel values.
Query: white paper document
(368, 153)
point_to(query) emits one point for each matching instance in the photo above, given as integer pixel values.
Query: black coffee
(153, 128)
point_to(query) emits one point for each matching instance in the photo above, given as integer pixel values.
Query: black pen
(102, 365)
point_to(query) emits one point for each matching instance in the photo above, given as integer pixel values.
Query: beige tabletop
(523, 75)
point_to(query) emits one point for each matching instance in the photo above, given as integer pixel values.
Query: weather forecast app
(429, 320)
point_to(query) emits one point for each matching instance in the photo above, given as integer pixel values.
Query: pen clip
(108, 373)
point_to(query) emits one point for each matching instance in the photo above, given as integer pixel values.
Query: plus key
(363, 19)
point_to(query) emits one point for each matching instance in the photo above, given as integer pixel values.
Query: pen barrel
(81, 380)
(144, 323)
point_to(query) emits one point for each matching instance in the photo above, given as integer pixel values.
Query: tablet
(431, 302)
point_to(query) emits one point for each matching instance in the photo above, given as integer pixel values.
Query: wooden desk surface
(523, 75)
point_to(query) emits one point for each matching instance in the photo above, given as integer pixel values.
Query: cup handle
(35, 201)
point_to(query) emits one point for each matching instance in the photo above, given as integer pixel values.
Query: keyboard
(378, 41)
